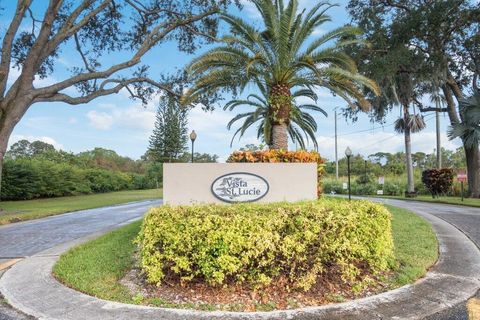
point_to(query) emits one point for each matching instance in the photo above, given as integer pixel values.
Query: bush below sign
(240, 187)
(258, 245)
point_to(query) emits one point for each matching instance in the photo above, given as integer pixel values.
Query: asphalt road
(466, 219)
(27, 238)
(30, 237)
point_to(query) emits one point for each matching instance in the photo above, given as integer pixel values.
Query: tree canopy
(109, 38)
(280, 56)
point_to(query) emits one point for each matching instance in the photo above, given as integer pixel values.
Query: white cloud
(72, 120)
(132, 117)
(100, 120)
(135, 117)
(17, 137)
(209, 122)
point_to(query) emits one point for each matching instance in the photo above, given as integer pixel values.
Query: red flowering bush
(438, 181)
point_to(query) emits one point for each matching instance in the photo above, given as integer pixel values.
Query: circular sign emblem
(240, 187)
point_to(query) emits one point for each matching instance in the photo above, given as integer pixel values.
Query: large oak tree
(39, 32)
(441, 40)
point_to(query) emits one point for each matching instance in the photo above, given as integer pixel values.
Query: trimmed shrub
(30, 178)
(393, 189)
(255, 244)
(364, 189)
(438, 181)
(282, 156)
(332, 185)
(365, 179)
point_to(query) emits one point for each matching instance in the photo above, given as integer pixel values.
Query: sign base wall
(191, 183)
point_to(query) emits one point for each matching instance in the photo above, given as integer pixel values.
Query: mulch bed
(277, 296)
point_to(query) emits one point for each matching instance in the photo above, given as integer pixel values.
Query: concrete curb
(30, 287)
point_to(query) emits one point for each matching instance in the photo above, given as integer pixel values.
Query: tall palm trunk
(279, 136)
(280, 105)
(408, 151)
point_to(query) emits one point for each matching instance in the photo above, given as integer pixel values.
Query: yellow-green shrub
(255, 244)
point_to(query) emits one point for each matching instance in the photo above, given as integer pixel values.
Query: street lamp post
(348, 153)
(365, 171)
(193, 136)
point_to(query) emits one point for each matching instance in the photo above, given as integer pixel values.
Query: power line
(391, 137)
(385, 126)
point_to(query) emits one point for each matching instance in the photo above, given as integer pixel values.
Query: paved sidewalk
(30, 287)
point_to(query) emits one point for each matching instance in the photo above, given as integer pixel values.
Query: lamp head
(348, 152)
(193, 135)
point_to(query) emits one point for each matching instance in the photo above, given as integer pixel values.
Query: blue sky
(118, 123)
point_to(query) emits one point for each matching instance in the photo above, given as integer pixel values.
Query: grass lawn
(448, 200)
(416, 247)
(96, 267)
(14, 211)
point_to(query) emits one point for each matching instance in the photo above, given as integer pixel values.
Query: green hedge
(394, 186)
(255, 244)
(25, 179)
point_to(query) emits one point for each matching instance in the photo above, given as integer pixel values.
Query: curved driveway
(27, 238)
(30, 237)
(467, 219)
(464, 218)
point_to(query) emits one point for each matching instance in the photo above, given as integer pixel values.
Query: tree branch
(103, 91)
(422, 108)
(395, 5)
(151, 40)
(452, 112)
(84, 58)
(22, 6)
(35, 58)
(69, 28)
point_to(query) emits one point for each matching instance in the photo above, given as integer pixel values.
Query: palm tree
(469, 131)
(281, 58)
(301, 123)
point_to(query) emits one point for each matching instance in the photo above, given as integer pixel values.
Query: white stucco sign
(240, 187)
(191, 183)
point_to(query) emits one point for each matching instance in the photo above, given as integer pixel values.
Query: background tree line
(393, 164)
(37, 170)
(366, 170)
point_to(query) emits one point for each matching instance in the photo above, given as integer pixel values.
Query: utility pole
(336, 147)
(438, 105)
(439, 146)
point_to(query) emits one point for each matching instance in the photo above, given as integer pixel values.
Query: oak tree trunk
(12, 112)
(472, 155)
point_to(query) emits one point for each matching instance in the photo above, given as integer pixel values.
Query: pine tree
(169, 138)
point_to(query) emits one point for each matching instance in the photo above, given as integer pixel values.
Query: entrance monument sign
(240, 187)
(190, 183)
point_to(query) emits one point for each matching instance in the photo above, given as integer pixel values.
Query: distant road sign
(380, 192)
(381, 180)
(462, 176)
(345, 186)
